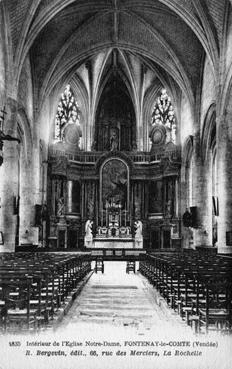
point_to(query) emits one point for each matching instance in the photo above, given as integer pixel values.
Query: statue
(134, 146)
(139, 229)
(88, 233)
(138, 234)
(114, 140)
(88, 228)
(169, 209)
(137, 204)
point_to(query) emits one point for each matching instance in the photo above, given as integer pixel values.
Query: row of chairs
(198, 286)
(34, 286)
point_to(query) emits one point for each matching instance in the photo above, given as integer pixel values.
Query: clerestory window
(68, 112)
(163, 113)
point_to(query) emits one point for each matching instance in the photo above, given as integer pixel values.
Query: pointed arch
(208, 131)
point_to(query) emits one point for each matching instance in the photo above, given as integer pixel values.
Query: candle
(120, 215)
(106, 216)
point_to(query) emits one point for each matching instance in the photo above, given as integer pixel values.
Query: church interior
(116, 146)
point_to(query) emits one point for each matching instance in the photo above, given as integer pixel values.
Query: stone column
(35, 194)
(69, 196)
(146, 199)
(9, 181)
(26, 209)
(201, 197)
(186, 232)
(97, 202)
(82, 199)
(224, 165)
(206, 201)
(44, 202)
(177, 197)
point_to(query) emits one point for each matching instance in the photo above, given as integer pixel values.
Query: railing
(87, 157)
(117, 254)
(82, 157)
(140, 157)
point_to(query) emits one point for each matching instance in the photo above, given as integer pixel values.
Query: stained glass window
(163, 113)
(67, 112)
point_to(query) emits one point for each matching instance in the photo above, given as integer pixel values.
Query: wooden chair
(19, 314)
(215, 313)
(99, 265)
(130, 266)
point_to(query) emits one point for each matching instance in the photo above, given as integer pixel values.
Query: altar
(115, 236)
(114, 243)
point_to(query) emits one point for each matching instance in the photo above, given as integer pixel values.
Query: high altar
(114, 228)
(114, 185)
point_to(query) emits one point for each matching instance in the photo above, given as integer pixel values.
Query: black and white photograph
(115, 184)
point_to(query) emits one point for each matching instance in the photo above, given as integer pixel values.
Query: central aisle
(118, 299)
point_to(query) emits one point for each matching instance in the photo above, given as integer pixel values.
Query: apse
(115, 117)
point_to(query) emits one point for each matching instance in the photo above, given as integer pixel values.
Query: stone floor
(118, 321)
(117, 299)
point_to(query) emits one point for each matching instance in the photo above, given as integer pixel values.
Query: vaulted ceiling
(170, 37)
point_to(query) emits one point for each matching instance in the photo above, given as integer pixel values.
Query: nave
(118, 312)
(38, 289)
